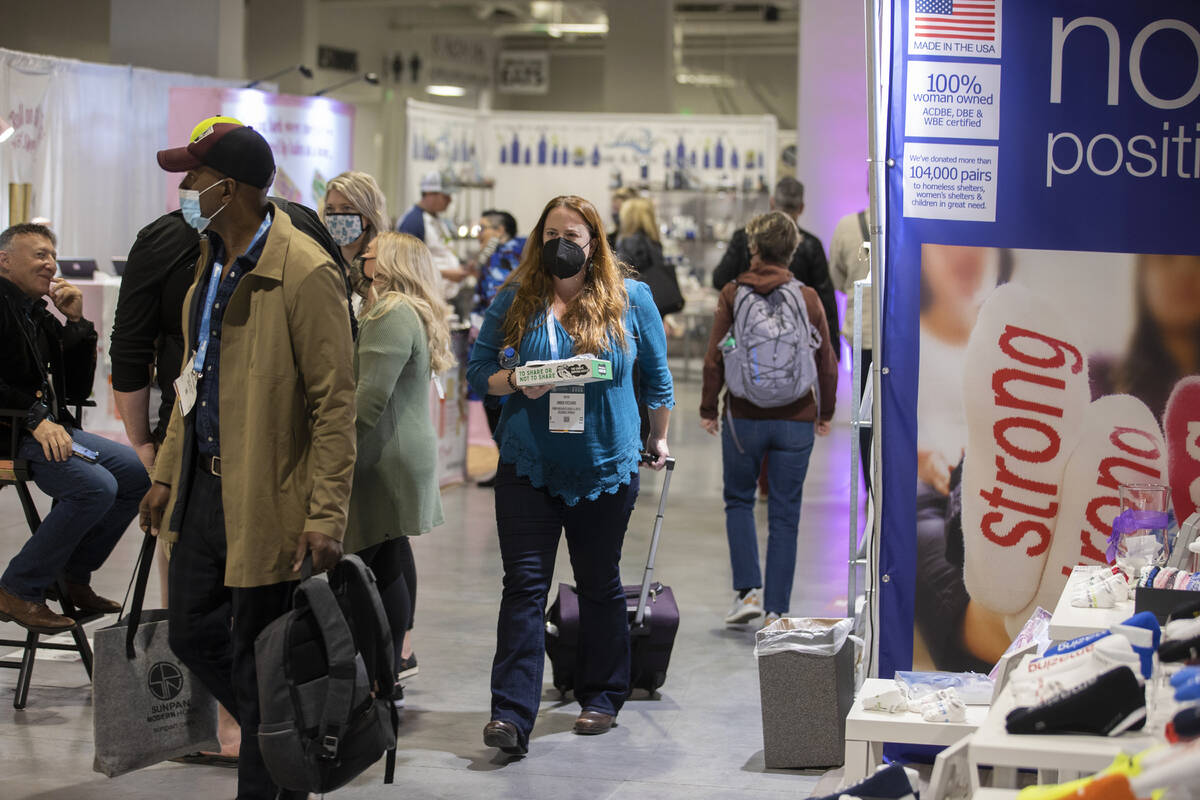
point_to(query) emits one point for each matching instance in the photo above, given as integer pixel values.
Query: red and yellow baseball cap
(226, 145)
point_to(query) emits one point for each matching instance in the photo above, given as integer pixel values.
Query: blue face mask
(189, 204)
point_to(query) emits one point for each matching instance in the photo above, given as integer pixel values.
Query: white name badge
(566, 409)
(185, 387)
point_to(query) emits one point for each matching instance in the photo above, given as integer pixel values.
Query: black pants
(529, 523)
(864, 434)
(221, 655)
(396, 578)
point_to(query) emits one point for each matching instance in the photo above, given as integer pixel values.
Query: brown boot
(88, 602)
(34, 616)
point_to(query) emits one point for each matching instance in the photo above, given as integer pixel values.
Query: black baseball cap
(237, 151)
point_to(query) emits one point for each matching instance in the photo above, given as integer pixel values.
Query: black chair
(15, 472)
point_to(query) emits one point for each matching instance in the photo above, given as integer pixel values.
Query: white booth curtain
(85, 140)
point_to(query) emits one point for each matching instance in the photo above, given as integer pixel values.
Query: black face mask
(562, 258)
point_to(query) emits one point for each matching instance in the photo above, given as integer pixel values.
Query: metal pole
(872, 9)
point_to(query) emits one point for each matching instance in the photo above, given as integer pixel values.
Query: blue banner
(1041, 266)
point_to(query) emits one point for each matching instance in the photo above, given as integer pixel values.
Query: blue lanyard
(214, 282)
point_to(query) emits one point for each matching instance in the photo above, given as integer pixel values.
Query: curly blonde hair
(404, 274)
(595, 317)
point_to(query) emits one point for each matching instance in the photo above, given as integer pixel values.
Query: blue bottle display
(528, 156)
(720, 158)
(595, 155)
(733, 158)
(542, 149)
(515, 155)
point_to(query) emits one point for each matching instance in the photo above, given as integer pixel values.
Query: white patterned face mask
(344, 228)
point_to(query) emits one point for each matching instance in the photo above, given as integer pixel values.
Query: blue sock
(1185, 675)
(1188, 690)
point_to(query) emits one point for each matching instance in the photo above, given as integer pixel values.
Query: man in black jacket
(45, 365)
(809, 264)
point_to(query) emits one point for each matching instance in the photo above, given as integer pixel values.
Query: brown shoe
(88, 602)
(503, 735)
(36, 617)
(589, 723)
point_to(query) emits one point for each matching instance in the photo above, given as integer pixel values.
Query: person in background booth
(44, 366)
(403, 342)
(424, 221)
(355, 212)
(573, 469)
(752, 433)
(254, 474)
(619, 196)
(500, 252)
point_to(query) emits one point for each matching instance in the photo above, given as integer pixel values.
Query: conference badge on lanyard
(566, 402)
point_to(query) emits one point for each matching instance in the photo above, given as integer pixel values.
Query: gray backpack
(326, 682)
(770, 358)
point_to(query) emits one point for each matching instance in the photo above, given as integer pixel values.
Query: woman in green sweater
(403, 341)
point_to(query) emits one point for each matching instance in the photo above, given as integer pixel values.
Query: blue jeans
(95, 504)
(529, 521)
(788, 445)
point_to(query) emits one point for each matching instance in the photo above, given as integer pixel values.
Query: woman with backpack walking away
(770, 347)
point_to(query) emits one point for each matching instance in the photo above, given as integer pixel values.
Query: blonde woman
(639, 246)
(355, 212)
(576, 470)
(403, 340)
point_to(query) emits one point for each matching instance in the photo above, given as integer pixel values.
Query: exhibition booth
(1035, 397)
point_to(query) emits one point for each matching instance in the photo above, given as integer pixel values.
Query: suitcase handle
(648, 576)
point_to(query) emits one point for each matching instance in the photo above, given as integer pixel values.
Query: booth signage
(523, 72)
(1043, 183)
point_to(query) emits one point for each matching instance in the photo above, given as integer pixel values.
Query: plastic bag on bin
(810, 635)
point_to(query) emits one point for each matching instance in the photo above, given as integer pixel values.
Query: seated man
(43, 365)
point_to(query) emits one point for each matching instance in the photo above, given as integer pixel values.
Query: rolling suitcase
(653, 621)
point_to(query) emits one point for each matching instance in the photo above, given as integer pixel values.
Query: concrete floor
(701, 739)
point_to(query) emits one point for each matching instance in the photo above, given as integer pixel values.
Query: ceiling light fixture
(445, 90)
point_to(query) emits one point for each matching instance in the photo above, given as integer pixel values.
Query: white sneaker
(769, 619)
(745, 608)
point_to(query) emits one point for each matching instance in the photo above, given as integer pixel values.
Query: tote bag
(148, 707)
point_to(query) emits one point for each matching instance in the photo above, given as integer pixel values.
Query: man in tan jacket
(256, 467)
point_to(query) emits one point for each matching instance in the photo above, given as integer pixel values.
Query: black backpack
(326, 682)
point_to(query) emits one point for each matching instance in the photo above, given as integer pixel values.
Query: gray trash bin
(806, 683)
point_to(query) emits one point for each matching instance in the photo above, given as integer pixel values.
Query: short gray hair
(25, 229)
(789, 195)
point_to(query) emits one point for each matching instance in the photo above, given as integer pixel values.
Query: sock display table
(1069, 622)
(866, 731)
(1070, 756)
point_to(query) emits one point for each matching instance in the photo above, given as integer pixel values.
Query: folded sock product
(1181, 641)
(1141, 631)
(1181, 423)
(1042, 679)
(1106, 705)
(1103, 590)
(944, 709)
(1189, 690)
(889, 783)
(1025, 389)
(891, 701)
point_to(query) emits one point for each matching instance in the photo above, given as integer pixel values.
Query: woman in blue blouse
(577, 472)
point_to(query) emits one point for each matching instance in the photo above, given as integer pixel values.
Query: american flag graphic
(956, 19)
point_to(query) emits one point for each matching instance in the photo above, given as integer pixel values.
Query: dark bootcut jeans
(213, 627)
(95, 504)
(529, 521)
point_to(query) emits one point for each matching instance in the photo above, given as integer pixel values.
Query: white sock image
(1025, 388)
(1119, 442)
